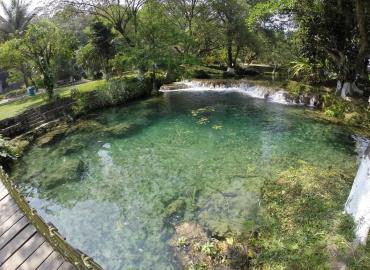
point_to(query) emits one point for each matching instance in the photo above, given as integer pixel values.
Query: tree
(231, 15)
(119, 13)
(42, 44)
(12, 59)
(156, 41)
(16, 17)
(363, 25)
(95, 55)
(333, 34)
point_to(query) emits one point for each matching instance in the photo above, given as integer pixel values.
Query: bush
(6, 149)
(336, 107)
(11, 150)
(117, 91)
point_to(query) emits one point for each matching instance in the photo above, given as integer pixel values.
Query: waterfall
(270, 94)
(358, 202)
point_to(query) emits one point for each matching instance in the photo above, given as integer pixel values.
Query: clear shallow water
(117, 187)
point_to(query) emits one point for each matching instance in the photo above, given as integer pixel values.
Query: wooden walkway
(21, 246)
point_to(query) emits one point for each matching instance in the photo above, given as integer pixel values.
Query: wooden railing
(49, 231)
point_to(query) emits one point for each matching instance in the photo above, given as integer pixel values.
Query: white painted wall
(358, 202)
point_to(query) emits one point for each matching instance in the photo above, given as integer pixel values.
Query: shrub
(117, 91)
(6, 149)
(11, 150)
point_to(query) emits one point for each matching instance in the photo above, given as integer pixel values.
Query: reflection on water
(116, 185)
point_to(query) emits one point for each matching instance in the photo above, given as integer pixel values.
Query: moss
(87, 126)
(69, 170)
(302, 220)
(120, 129)
(175, 209)
(53, 136)
(353, 118)
(196, 250)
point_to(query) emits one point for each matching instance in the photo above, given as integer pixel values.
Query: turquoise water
(117, 184)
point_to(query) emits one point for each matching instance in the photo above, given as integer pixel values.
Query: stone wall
(32, 118)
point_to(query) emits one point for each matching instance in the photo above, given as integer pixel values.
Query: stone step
(37, 118)
(32, 114)
(37, 124)
(31, 124)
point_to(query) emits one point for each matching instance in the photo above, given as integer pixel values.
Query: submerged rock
(53, 136)
(69, 170)
(175, 210)
(86, 126)
(120, 129)
(195, 249)
(71, 148)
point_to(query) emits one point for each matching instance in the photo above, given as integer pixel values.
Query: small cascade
(270, 94)
(358, 202)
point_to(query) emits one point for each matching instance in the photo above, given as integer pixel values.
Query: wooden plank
(4, 216)
(66, 266)
(6, 204)
(10, 222)
(16, 243)
(13, 231)
(52, 262)
(37, 258)
(2, 187)
(3, 194)
(23, 253)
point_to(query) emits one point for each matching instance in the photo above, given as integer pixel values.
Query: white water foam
(271, 95)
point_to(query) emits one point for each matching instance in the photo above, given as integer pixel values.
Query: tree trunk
(24, 74)
(230, 63)
(49, 84)
(361, 13)
(347, 88)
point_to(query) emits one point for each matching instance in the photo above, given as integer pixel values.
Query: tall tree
(331, 31)
(12, 59)
(231, 14)
(363, 24)
(43, 44)
(16, 16)
(119, 13)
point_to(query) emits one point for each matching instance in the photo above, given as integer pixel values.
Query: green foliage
(297, 89)
(7, 150)
(336, 107)
(94, 56)
(209, 249)
(90, 61)
(117, 91)
(266, 9)
(157, 37)
(303, 69)
(43, 44)
(182, 242)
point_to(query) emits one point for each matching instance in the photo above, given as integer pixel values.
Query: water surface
(117, 187)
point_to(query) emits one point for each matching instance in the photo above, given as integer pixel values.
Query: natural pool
(117, 184)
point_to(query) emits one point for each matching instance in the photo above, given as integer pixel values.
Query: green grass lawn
(17, 107)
